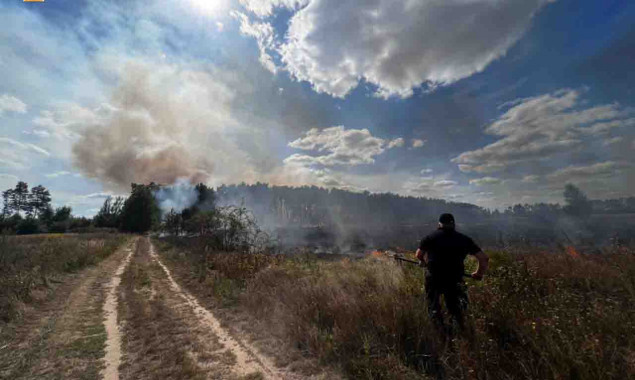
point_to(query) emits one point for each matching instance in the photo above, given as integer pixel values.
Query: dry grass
(32, 264)
(62, 335)
(537, 315)
(162, 337)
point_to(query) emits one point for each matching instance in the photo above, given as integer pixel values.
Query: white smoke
(177, 196)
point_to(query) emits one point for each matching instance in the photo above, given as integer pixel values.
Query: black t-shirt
(447, 250)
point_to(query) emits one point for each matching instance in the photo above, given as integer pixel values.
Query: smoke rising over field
(176, 197)
(162, 123)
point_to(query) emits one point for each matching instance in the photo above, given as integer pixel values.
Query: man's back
(447, 249)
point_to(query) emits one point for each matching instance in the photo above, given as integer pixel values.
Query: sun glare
(213, 8)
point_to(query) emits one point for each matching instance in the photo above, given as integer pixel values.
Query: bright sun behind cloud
(211, 8)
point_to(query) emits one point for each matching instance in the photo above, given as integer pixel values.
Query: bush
(59, 227)
(28, 226)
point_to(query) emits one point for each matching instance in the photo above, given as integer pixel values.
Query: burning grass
(538, 315)
(28, 263)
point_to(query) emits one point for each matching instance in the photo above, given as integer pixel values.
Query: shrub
(28, 226)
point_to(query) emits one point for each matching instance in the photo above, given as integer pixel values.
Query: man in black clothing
(442, 253)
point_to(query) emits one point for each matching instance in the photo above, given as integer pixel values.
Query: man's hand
(483, 264)
(423, 259)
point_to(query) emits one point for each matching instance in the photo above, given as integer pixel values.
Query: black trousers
(455, 295)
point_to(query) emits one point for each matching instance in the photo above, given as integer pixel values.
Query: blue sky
(485, 101)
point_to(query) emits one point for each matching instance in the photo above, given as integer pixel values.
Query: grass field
(537, 315)
(36, 262)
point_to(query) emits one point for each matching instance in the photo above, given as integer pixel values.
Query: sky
(491, 102)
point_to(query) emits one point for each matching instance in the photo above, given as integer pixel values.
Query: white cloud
(542, 127)
(398, 142)
(418, 143)
(585, 173)
(57, 174)
(17, 155)
(396, 45)
(485, 181)
(613, 140)
(426, 171)
(346, 147)
(11, 104)
(445, 183)
(264, 8)
(23, 146)
(532, 178)
(430, 187)
(101, 195)
(264, 34)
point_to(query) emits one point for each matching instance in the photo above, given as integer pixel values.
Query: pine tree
(140, 211)
(40, 199)
(110, 213)
(19, 198)
(7, 209)
(577, 203)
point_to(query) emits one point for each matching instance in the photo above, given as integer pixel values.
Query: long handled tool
(401, 258)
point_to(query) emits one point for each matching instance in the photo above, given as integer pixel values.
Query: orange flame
(571, 251)
(376, 253)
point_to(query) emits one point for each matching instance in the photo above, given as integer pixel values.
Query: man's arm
(483, 264)
(423, 257)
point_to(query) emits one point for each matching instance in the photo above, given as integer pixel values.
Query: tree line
(27, 211)
(315, 206)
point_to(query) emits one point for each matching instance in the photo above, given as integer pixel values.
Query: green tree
(19, 198)
(206, 196)
(62, 214)
(576, 202)
(61, 220)
(140, 211)
(40, 199)
(27, 226)
(173, 223)
(7, 195)
(109, 214)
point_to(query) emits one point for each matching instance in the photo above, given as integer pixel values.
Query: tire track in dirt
(113, 341)
(248, 360)
(64, 339)
(162, 337)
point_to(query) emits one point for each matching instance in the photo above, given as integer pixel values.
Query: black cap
(446, 219)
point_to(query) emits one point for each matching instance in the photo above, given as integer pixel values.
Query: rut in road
(167, 334)
(64, 339)
(113, 337)
(247, 358)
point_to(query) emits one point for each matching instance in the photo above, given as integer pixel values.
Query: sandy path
(64, 338)
(248, 360)
(113, 342)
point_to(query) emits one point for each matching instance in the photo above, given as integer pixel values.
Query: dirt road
(128, 318)
(63, 338)
(167, 334)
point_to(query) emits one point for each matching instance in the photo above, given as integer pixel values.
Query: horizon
(466, 102)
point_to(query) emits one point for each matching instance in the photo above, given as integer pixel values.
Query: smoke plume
(163, 124)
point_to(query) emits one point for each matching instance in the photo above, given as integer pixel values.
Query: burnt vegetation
(557, 302)
(538, 314)
(559, 310)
